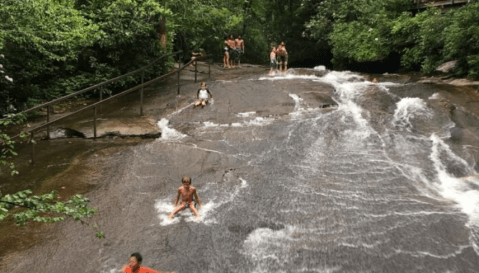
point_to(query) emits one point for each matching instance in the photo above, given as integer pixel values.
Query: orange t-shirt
(142, 269)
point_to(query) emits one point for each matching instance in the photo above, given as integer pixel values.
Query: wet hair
(239, 36)
(186, 178)
(137, 256)
(231, 36)
(201, 84)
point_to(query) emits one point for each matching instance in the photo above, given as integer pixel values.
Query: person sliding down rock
(203, 95)
(188, 194)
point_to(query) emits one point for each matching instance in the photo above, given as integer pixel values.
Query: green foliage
(53, 48)
(461, 39)
(40, 41)
(203, 24)
(6, 142)
(362, 30)
(43, 208)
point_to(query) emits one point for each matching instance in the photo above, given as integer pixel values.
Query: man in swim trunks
(187, 193)
(282, 57)
(231, 49)
(134, 266)
(239, 43)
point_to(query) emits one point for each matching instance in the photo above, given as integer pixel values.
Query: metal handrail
(98, 104)
(110, 98)
(55, 101)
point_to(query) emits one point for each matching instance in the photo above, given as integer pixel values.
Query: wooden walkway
(421, 4)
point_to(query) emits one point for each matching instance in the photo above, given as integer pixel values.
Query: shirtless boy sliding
(187, 192)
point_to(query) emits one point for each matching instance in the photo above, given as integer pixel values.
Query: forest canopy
(50, 48)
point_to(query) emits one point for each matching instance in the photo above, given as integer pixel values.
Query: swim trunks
(283, 58)
(238, 53)
(272, 64)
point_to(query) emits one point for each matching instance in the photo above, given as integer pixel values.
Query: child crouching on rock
(203, 95)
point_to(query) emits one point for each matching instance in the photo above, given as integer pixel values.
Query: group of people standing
(278, 57)
(234, 49)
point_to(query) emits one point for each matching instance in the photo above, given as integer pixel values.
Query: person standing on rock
(231, 49)
(239, 43)
(272, 60)
(226, 58)
(203, 95)
(187, 194)
(282, 57)
(134, 266)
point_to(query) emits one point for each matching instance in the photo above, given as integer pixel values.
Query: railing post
(94, 122)
(141, 93)
(33, 148)
(209, 69)
(196, 69)
(179, 77)
(48, 120)
(101, 96)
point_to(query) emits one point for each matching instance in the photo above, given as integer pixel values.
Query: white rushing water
(341, 187)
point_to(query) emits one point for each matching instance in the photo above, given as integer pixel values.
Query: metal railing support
(196, 69)
(94, 122)
(179, 78)
(33, 148)
(48, 120)
(141, 93)
(209, 68)
(101, 96)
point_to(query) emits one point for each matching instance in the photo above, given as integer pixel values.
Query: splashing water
(409, 109)
(167, 133)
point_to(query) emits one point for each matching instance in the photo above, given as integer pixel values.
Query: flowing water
(336, 192)
(365, 186)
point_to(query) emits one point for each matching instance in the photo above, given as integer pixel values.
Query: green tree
(128, 38)
(461, 39)
(41, 41)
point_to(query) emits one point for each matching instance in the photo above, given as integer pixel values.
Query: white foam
(246, 114)
(409, 108)
(258, 121)
(338, 77)
(320, 68)
(165, 207)
(208, 124)
(244, 183)
(290, 77)
(463, 190)
(168, 134)
(236, 124)
(265, 246)
(435, 96)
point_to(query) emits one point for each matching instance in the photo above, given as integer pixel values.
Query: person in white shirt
(203, 95)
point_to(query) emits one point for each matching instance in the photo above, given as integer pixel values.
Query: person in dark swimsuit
(282, 57)
(226, 58)
(239, 43)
